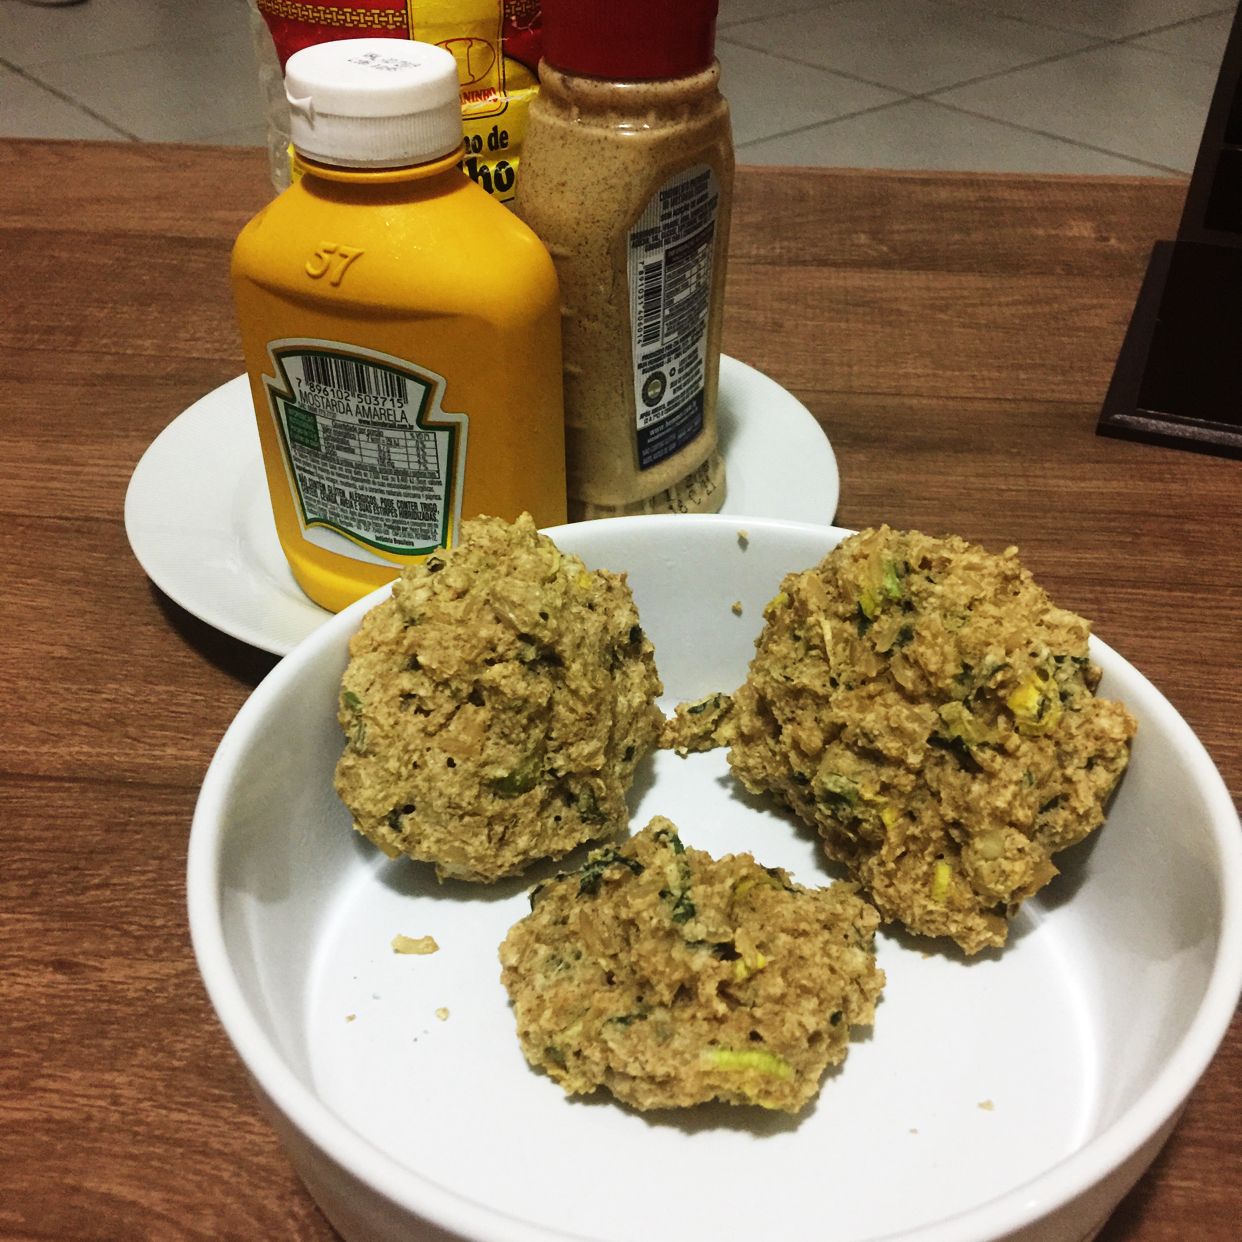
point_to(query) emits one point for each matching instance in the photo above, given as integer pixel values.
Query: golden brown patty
(931, 712)
(671, 978)
(496, 706)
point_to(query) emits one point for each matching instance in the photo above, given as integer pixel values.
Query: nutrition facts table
(382, 448)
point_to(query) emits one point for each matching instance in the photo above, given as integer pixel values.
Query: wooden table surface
(954, 334)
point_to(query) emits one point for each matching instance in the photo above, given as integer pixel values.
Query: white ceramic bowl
(1018, 1094)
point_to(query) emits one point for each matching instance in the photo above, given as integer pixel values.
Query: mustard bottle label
(375, 465)
(670, 252)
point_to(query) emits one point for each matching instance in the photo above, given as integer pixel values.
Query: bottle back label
(375, 466)
(670, 253)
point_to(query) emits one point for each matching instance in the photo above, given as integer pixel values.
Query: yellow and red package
(496, 44)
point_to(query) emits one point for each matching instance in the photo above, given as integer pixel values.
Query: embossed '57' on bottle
(401, 328)
(627, 177)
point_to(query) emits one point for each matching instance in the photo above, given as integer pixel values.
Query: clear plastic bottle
(400, 327)
(627, 177)
(496, 45)
(275, 103)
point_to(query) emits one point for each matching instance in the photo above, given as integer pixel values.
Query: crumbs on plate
(420, 945)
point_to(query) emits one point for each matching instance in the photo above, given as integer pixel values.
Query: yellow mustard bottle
(401, 328)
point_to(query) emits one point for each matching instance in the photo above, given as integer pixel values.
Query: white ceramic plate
(199, 521)
(1016, 1094)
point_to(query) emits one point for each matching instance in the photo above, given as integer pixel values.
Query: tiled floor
(1115, 86)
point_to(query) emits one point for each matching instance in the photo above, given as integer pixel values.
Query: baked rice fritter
(671, 978)
(496, 705)
(926, 707)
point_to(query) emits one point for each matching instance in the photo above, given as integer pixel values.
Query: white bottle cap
(373, 103)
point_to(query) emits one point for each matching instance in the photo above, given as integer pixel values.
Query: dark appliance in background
(1178, 379)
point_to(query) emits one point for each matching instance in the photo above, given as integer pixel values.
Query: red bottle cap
(630, 39)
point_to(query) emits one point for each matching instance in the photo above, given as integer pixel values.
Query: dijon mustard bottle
(401, 328)
(627, 177)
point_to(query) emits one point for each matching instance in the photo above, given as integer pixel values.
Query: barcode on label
(653, 302)
(353, 376)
